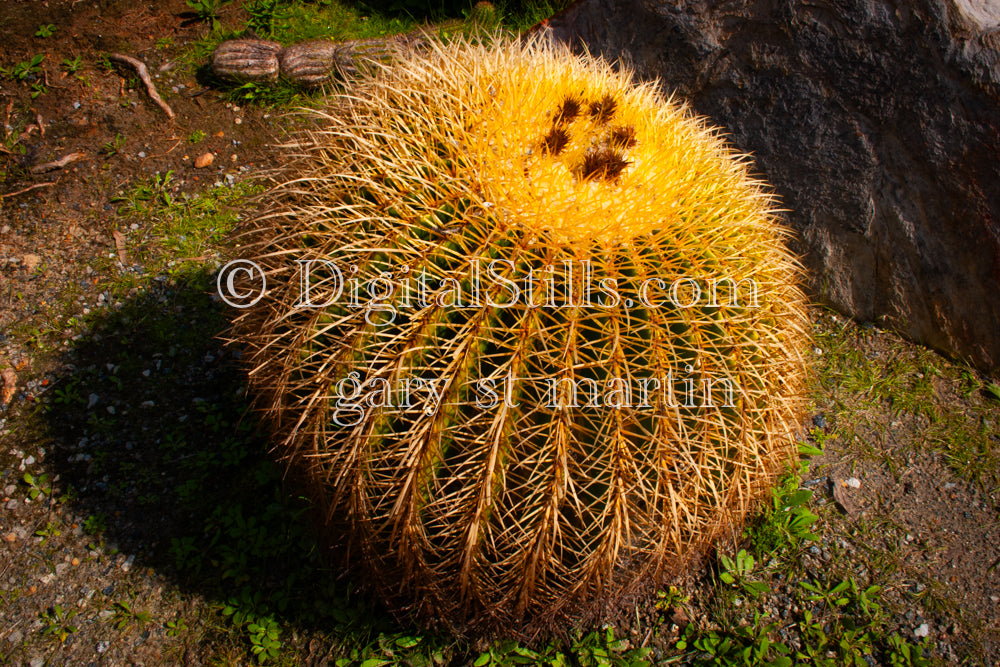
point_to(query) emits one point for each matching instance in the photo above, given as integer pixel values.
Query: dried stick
(57, 164)
(27, 189)
(140, 68)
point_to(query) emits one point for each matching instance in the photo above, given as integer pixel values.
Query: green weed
(56, 622)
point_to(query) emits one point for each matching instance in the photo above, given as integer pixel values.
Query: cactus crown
(552, 444)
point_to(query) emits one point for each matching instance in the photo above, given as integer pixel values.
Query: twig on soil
(120, 246)
(172, 148)
(57, 164)
(27, 189)
(140, 68)
(9, 384)
(41, 125)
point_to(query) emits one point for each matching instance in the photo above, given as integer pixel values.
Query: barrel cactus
(531, 336)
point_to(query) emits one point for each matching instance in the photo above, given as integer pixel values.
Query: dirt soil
(63, 241)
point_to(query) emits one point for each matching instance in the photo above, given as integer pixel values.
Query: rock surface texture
(878, 123)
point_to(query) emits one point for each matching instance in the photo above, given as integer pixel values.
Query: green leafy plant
(903, 654)
(832, 594)
(95, 524)
(72, 65)
(51, 529)
(37, 486)
(56, 622)
(736, 574)
(175, 628)
(207, 10)
(114, 146)
(126, 614)
(249, 613)
(27, 68)
(45, 30)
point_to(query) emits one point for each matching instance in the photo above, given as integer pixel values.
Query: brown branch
(140, 68)
(57, 164)
(27, 189)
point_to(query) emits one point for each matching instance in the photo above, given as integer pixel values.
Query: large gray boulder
(878, 123)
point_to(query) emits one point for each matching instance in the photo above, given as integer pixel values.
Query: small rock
(92, 401)
(922, 630)
(11, 504)
(238, 121)
(15, 636)
(37, 662)
(102, 646)
(819, 421)
(30, 262)
(142, 155)
(854, 482)
(203, 160)
(9, 489)
(844, 496)
(127, 565)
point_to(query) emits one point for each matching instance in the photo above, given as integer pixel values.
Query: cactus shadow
(149, 425)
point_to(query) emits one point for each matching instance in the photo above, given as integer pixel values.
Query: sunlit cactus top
(532, 335)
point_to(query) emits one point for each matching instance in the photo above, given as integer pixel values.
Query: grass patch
(864, 375)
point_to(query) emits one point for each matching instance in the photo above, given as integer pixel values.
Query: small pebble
(142, 154)
(854, 482)
(203, 160)
(922, 630)
(102, 646)
(238, 121)
(37, 662)
(93, 400)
